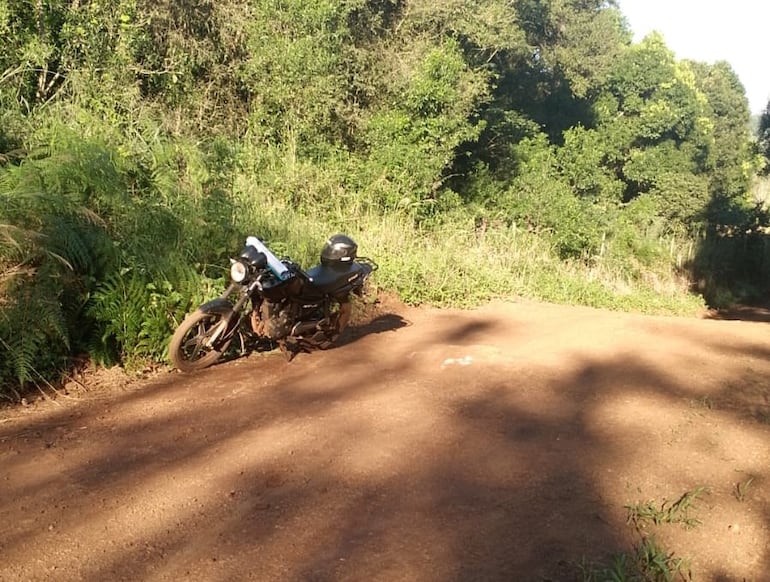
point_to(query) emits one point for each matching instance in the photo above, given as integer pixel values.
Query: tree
(573, 46)
(656, 134)
(728, 110)
(763, 137)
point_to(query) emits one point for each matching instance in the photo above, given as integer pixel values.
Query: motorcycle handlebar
(276, 266)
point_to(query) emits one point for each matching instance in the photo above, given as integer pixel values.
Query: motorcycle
(273, 302)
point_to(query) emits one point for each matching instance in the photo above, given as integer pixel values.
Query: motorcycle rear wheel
(339, 321)
(191, 348)
(342, 317)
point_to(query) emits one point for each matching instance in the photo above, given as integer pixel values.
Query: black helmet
(339, 250)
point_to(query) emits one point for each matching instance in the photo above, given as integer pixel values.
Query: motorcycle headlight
(238, 271)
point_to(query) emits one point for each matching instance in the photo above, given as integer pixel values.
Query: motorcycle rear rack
(367, 261)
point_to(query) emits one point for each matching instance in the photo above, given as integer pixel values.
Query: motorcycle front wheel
(197, 343)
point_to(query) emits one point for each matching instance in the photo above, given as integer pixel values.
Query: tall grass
(454, 263)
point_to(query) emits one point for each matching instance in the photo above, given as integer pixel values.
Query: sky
(710, 31)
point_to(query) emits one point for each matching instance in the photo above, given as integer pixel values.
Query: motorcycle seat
(331, 279)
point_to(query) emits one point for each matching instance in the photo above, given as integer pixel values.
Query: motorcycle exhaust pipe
(304, 328)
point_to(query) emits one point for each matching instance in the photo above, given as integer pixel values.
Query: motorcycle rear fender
(355, 285)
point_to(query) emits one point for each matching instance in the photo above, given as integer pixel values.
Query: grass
(452, 263)
(741, 489)
(703, 402)
(647, 562)
(648, 512)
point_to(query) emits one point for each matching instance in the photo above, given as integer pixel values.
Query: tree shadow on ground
(758, 313)
(382, 323)
(365, 464)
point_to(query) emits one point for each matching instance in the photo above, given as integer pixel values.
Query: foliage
(741, 489)
(641, 514)
(73, 231)
(296, 65)
(728, 110)
(543, 200)
(763, 138)
(54, 248)
(647, 563)
(422, 132)
(481, 148)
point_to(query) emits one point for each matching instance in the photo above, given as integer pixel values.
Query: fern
(162, 309)
(33, 332)
(80, 245)
(22, 352)
(67, 222)
(117, 306)
(138, 318)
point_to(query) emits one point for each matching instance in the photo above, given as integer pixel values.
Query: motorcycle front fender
(224, 308)
(219, 305)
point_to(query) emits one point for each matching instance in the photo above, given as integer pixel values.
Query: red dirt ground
(433, 445)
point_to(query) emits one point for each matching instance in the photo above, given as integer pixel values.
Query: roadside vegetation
(647, 561)
(475, 149)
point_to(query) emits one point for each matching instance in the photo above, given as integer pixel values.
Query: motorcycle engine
(276, 320)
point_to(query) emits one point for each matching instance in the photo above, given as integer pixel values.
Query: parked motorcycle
(272, 302)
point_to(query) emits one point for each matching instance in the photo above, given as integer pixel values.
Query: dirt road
(497, 444)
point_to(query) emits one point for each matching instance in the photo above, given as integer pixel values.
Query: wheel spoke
(199, 341)
(195, 346)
